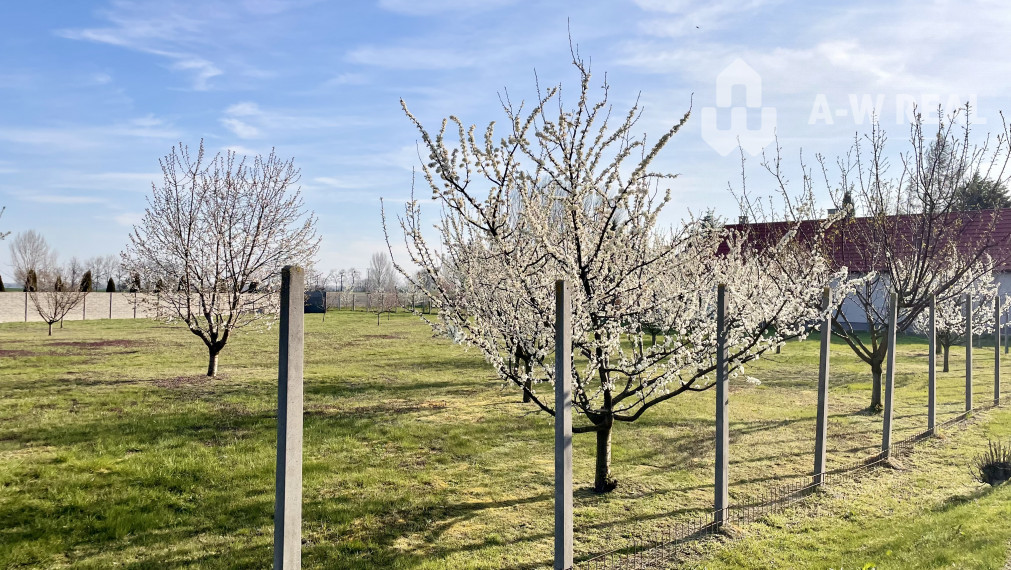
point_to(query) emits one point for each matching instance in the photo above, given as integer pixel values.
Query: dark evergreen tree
(134, 282)
(981, 193)
(159, 286)
(2, 289)
(847, 204)
(58, 286)
(111, 287)
(86, 281)
(31, 281)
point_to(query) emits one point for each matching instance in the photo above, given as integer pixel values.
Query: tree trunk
(602, 480)
(876, 387)
(212, 364)
(946, 348)
(50, 329)
(654, 339)
(526, 385)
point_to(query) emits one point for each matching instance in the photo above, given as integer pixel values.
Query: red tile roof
(842, 240)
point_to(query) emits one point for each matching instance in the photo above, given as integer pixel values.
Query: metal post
(932, 366)
(886, 436)
(722, 422)
(821, 429)
(996, 350)
(563, 427)
(288, 489)
(968, 353)
(135, 304)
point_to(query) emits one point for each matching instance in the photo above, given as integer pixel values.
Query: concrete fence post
(968, 353)
(563, 426)
(135, 304)
(886, 432)
(1007, 337)
(722, 497)
(996, 350)
(932, 365)
(84, 307)
(111, 295)
(821, 429)
(288, 479)
(26, 306)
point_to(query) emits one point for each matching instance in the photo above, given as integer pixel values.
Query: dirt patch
(180, 382)
(17, 353)
(391, 336)
(89, 344)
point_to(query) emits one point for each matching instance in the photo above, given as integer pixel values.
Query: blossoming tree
(571, 196)
(949, 315)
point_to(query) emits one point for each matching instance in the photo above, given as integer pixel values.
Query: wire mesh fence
(663, 548)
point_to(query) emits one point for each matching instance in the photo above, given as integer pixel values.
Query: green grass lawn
(115, 450)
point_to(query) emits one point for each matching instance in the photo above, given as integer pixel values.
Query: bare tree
(56, 295)
(103, 267)
(222, 229)
(382, 283)
(29, 250)
(3, 235)
(74, 269)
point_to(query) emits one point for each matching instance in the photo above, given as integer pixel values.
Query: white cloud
(163, 30)
(129, 218)
(428, 7)
(242, 150)
(406, 57)
(348, 79)
(203, 71)
(677, 19)
(60, 199)
(108, 181)
(241, 129)
(243, 109)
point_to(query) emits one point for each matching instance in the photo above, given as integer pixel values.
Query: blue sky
(93, 93)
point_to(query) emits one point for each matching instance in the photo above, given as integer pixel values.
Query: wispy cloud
(240, 129)
(83, 137)
(427, 7)
(185, 34)
(59, 198)
(405, 57)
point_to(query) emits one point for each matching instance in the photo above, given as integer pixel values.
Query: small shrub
(111, 286)
(992, 467)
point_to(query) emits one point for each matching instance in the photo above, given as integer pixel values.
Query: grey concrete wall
(97, 305)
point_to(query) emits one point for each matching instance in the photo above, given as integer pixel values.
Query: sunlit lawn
(115, 449)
